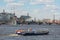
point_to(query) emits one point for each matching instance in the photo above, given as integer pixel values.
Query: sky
(39, 9)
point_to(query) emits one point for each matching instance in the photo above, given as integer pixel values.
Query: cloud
(44, 0)
(53, 8)
(20, 12)
(50, 6)
(15, 4)
(17, 12)
(9, 0)
(41, 2)
(19, 7)
(49, 9)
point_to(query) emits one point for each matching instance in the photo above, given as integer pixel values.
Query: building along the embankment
(7, 18)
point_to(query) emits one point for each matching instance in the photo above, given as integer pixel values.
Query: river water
(54, 32)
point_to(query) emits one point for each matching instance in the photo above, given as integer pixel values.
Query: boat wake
(9, 35)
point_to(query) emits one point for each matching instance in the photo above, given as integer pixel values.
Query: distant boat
(32, 32)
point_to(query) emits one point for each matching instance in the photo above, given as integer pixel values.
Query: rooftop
(25, 17)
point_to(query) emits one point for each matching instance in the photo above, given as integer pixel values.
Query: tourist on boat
(30, 29)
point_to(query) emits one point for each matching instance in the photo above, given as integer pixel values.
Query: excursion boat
(32, 32)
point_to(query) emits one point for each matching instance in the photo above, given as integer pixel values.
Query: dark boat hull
(32, 33)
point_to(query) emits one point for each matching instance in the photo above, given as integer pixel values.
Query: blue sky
(38, 9)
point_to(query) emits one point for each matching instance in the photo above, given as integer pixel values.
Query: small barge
(32, 32)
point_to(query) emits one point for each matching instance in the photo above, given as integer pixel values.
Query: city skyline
(38, 9)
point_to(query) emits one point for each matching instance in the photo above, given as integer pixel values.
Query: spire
(35, 19)
(27, 14)
(14, 13)
(53, 18)
(3, 11)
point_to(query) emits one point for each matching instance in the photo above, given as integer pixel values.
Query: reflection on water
(8, 32)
